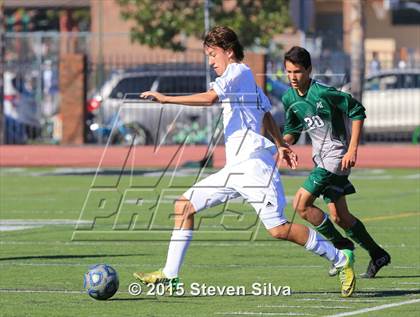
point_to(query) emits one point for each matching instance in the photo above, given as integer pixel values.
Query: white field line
(38, 222)
(18, 224)
(57, 291)
(247, 313)
(307, 306)
(267, 243)
(6, 290)
(341, 300)
(3, 221)
(279, 267)
(375, 308)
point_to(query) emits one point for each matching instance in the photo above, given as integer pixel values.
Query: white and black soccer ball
(101, 281)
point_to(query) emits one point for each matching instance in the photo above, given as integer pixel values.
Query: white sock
(319, 245)
(180, 240)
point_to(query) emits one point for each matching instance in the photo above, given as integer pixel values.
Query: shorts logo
(269, 204)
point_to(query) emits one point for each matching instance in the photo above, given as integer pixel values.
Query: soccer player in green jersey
(325, 114)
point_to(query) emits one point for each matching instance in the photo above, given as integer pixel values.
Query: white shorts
(256, 179)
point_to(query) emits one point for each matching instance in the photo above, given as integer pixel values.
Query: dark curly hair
(298, 55)
(225, 38)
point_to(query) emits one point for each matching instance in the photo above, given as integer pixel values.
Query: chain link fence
(31, 84)
(32, 94)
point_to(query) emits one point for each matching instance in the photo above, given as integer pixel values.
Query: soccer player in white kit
(250, 169)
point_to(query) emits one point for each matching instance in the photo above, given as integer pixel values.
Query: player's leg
(262, 187)
(180, 240)
(340, 214)
(318, 180)
(209, 192)
(356, 230)
(341, 259)
(181, 236)
(303, 204)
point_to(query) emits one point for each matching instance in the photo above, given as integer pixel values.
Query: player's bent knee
(280, 232)
(300, 206)
(302, 211)
(183, 207)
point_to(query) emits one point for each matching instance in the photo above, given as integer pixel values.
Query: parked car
(144, 121)
(392, 102)
(22, 116)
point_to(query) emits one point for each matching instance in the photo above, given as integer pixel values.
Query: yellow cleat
(347, 276)
(157, 277)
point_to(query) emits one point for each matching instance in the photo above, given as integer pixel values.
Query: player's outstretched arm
(285, 152)
(202, 99)
(350, 158)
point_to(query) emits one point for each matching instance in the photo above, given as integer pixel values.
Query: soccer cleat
(341, 245)
(157, 277)
(375, 264)
(346, 275)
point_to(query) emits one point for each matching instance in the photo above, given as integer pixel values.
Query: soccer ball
(101, 281)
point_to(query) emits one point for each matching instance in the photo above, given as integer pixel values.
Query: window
(410, 81)
(405, 16)
(393, 81)
(182, 85)
(132, 86)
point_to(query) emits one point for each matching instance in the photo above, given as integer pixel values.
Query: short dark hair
(225, 38)
(298, 55)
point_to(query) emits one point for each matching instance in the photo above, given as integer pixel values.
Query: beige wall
(326, 6)
(403, 35)
(116, 41)
(379, 28)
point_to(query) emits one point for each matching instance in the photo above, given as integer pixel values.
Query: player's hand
(287, 155)
(153, 96)
(349, 160)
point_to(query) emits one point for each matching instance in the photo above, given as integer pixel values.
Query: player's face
(219, 58)
(298, 75)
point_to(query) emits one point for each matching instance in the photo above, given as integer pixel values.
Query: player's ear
(230, 53)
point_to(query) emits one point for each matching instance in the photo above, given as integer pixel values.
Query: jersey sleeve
(292, 125)
(346, 103)
(263, 100)
(225, 84)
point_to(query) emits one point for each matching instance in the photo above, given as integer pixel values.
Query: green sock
(359, 234)
(328, 230)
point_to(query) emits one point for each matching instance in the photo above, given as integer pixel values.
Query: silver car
(117, 104)
(392, 102)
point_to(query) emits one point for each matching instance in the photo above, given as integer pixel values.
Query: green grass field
(42, 266)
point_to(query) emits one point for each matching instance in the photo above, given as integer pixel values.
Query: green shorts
(331, 186)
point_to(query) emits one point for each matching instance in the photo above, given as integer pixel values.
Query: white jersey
(250, 169)
(244, 105)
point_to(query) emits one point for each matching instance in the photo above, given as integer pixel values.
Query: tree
(165, 23)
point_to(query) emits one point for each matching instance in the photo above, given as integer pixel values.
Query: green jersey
(324, 113)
